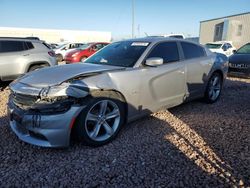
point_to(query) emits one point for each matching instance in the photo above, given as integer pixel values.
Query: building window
(217, 31)
(239, 32)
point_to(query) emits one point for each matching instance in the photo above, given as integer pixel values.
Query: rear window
(12, 46)
(29, 45)
(47, 45)
(192, 50)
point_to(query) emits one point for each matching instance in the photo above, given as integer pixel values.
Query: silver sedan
(123, 82)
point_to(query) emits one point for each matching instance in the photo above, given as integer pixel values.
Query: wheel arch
(36, 63)
(92, 94)
(220, 72)
(118, 94)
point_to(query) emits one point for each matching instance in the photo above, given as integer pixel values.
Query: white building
(57, 36)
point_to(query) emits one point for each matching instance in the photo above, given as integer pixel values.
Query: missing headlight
(54, 107)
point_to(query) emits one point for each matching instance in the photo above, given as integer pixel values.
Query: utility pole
(133, 19)
(138, 29)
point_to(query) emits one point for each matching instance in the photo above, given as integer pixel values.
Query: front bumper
(70, 60)
(239, 72)
(43, 130)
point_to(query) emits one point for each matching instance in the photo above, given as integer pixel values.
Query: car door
(163, 86)
(198, 66)
(13, 55)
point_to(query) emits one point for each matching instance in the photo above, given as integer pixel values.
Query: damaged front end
(43, 116)
(52, 99)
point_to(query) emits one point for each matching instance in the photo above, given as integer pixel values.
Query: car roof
(158, 39)
(20, 39)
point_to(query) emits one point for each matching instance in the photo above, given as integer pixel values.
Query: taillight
(52, 53)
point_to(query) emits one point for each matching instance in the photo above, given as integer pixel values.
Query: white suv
(223, 47)
(21, 55)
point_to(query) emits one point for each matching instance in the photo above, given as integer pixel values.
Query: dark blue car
(239, 63)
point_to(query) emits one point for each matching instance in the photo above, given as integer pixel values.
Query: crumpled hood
(56, 75)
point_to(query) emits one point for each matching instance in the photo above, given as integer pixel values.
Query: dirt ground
(194, 144)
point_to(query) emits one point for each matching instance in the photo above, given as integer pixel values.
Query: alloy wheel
(214, 88)
(102, 120)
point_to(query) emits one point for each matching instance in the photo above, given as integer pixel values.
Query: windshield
(124, 54)
(84, 46)
(244, 49)
(213, 46)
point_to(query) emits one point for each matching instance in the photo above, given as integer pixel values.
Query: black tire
(81, 131)
(82, 59)
(36, 67)
(59, 57)
(212, 96)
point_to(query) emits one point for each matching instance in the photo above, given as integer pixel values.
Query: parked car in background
(239, 63)
(53, 45)
(122, 82)
(21, 55)
(223, 47)
(63, 49)
(83, 52)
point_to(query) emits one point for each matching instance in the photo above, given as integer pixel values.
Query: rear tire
(36, 67)
(59, 57)
(102, 119)
(214, 88)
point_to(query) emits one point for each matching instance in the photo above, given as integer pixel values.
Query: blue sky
(152, 16)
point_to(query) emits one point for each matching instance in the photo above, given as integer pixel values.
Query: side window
(229, 45)
(224, 47)
(13, 46)
(29, 45)
(99, 46)
(192, 50)
(168, 51)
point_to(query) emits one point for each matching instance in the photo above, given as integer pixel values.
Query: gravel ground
(191, 145)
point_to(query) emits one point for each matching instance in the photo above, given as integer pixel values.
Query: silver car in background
(122, 82)
(21, 55)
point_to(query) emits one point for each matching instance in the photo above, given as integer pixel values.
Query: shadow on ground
(4, 85)
(224, 128)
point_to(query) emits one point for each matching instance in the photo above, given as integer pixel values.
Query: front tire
(101, 121)
(214, 87)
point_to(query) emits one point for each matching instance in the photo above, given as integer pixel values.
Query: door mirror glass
(154, 61)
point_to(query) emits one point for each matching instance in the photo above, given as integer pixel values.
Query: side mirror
(234, 51)
(154, 61)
